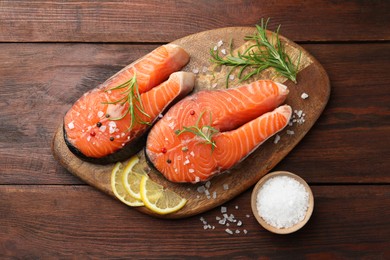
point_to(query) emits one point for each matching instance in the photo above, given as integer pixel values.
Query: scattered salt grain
(304, 95)
(229, 231)
(208, 184)
(100, 113)
(227, 220)
(215, 48)
(195, 71)
(112, 127)
(225, 186)
(88, 138)
(282, 202)
(160, 116)
(204, 69)
(277, 138)
(223, 51)
(191, 170)
(290, 132)
(298, 113)
(102, 128)
(214, 85)
(186, 162)
(220, 43)
(231, 77)
(71, 125)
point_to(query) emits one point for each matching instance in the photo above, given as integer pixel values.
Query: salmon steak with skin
(109, 123)
(237, 121)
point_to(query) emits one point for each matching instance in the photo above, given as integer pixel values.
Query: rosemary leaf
(133, 98)
(205, 132)
(263, 54)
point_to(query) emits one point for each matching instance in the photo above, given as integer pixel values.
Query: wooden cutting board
(312, 80)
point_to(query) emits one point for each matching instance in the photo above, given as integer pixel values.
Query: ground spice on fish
(282, 202)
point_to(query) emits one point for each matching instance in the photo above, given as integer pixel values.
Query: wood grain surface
(156, 21)
(312, 79)
(53, 51)
(54, 221)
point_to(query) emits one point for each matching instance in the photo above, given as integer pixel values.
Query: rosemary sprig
(205, 132)
(263, 54)
(130, 95)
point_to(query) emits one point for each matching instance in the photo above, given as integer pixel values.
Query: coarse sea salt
(282, 202)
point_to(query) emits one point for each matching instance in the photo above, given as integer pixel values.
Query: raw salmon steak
(237, 121)
(109, 123)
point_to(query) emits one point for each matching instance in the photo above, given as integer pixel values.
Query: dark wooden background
(53, 51)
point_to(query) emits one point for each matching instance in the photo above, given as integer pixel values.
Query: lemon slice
(158, 199)
(132, 178)
(119, 189)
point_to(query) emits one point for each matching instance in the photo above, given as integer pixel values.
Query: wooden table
(53, 51)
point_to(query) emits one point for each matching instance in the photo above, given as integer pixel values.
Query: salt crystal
(229, 231)
(112, 127)
(160, 116)
(204, 69)
(282, 202)
(223, 209)
(277, 138)
(299, 113)
(223, 51)
(222, 221)
(192, 153)
(225, 186)
(214, 85)
(100, 113)
(215, 48)
(214, 195)
(245, 231)
(186, 162)
(71, 125)
(195, 71)
(239, 223)
(102, 128)
(290, 132)
(220, 43)
(208, 184)
(231, 77)
(304, 95)
(88, 138)
(191, 170)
